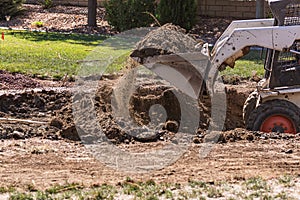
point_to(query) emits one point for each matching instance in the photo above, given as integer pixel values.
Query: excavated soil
(54, 107)
(40, 145)
(50, 153)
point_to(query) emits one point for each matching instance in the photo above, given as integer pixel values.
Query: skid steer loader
(275, 105)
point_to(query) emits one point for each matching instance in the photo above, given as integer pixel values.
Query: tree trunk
(260, 9)
(92, 12)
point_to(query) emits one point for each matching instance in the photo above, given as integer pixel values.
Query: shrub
(46, 3)
(179, 12)
(10, 7)
(37, 24)
(127, 14)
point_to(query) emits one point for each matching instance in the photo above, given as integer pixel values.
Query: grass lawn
(55, 54)
(284, 187)
(50, 54)
(248, 65)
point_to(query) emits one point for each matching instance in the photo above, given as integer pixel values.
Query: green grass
(256, 183)
(252, 188)
(247, 66)
(53, 54)
(67, 187)
(6, 190)
(38, 24)
(21, 196)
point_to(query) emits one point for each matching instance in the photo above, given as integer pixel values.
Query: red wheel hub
(278, 123)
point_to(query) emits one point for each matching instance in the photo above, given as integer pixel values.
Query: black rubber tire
(274, 107)
(249, 105)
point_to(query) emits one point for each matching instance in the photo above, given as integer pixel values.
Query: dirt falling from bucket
(168, 39)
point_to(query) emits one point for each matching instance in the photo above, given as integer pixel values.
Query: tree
(10, 8)
(92, 13)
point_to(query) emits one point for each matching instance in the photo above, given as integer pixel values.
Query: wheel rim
(278, 123)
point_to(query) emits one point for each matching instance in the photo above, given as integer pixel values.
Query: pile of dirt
(55, 108)
(16, 81)
(147, 94)
(168, 39)
(27, 114)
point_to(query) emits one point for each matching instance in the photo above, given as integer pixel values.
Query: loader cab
(283, 67)
(276, 106)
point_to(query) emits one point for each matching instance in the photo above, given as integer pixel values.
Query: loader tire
(275, 116)
(250, 105)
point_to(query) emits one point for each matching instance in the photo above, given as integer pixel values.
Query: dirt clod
(56, 123)
(171, 126)
(213, 137)
(16, 135)
(70, 133)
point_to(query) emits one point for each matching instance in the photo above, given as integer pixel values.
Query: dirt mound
(143, 101)
(168, 39)
(16, 81)
(241, 134)
(55, 110)
(27, 114)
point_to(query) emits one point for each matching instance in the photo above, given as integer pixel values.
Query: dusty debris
(168, 39)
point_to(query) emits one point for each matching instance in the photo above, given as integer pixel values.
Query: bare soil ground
(48, 153)
(47, 162)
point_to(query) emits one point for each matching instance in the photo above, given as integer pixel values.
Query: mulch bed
(73, 19)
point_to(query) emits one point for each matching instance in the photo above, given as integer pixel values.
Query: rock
(196, 140)
(289, 151)
(213, 137)
(56, 123)
(147, 137)
(89, 139)
(249, 137)
(171, 126)
(70, 133)
(16, 135)
(126, 141)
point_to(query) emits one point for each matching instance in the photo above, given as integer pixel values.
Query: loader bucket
(175, 57)
(185, 71)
